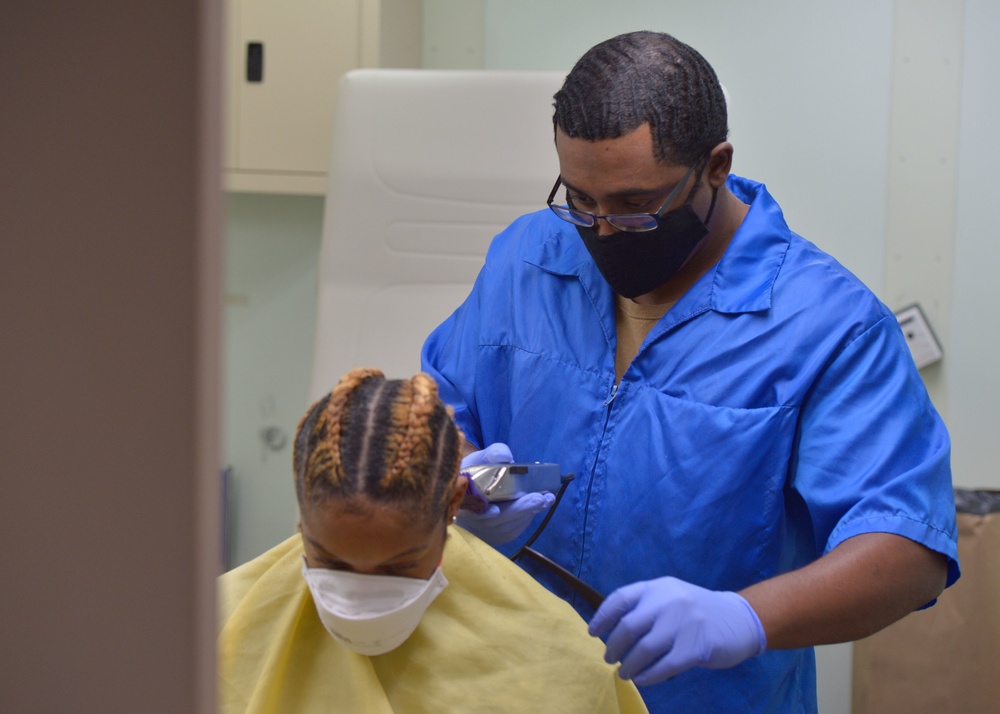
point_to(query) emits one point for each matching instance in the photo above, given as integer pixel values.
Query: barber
(758, 466)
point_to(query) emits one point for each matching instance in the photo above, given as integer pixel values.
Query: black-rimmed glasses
(628, 222)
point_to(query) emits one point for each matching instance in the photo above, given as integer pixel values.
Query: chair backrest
(426, 167)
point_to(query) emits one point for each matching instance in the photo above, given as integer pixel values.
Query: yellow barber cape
(493, 641)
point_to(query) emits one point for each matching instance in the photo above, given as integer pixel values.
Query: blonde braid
(411, 417)
(337, 409)
(323, 468)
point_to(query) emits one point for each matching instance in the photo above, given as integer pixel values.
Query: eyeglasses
(628, 222)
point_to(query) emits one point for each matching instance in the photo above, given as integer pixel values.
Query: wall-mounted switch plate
(923, 344)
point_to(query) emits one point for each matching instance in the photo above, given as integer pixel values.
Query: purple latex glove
(660, 628)
(501, 522)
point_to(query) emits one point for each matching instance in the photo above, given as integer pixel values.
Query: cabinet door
(279, 127)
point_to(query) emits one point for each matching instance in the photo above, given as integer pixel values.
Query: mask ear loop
(590, 596)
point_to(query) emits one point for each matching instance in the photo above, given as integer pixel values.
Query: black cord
(548, 516)
(590, 596)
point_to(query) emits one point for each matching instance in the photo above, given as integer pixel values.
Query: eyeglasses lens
(622, 222)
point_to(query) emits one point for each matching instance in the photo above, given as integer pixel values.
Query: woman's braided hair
(645, 78)
(392, 441)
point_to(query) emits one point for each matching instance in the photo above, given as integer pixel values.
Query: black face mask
(636, 263)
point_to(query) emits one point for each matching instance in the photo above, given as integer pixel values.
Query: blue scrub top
(771, 414)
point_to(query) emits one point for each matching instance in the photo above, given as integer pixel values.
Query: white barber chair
(426, 167)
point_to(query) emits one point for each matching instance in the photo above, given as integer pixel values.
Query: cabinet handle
(255, 61)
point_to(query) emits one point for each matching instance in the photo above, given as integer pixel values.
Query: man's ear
(720, 162)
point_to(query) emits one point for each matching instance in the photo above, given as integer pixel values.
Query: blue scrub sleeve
(449, 356)
(874, 455)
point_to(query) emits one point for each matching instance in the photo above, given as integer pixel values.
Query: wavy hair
(645, 78)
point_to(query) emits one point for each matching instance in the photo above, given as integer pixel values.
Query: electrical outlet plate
(924, 345)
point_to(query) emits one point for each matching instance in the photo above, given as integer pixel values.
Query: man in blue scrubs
(758, 466)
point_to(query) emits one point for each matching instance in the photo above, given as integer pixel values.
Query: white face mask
(371, 614)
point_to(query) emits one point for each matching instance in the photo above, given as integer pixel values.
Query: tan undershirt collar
(633, 323)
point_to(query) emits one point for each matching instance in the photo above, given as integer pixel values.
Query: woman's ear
(457, 494)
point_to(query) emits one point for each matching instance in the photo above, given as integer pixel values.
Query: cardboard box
(946, 658)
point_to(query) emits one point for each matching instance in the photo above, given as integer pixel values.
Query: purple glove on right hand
(501, 522)
(660, 628)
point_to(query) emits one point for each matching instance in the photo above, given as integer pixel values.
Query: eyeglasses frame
(611, 218)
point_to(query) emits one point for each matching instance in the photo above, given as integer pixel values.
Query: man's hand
(660, 628)
(501, 522)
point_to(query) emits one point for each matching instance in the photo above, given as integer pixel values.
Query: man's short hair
(645, 78)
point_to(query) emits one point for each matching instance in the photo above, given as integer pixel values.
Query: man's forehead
(625, 166)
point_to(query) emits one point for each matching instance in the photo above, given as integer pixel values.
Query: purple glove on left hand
(503, 522)
(660, 628)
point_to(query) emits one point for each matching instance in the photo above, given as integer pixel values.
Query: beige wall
(109, 273)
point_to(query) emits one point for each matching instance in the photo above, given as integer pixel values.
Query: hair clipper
(491, 483)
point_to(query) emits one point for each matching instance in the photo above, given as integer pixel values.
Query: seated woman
(377, 605)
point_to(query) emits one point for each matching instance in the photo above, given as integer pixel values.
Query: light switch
(924, 346)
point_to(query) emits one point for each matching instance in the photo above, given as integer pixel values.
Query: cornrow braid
(412, 417)
(645, 78)
(392, 441)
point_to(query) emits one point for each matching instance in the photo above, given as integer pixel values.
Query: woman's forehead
(341, 529)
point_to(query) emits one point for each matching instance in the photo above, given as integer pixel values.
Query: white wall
(973, 347)
(272, 246)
